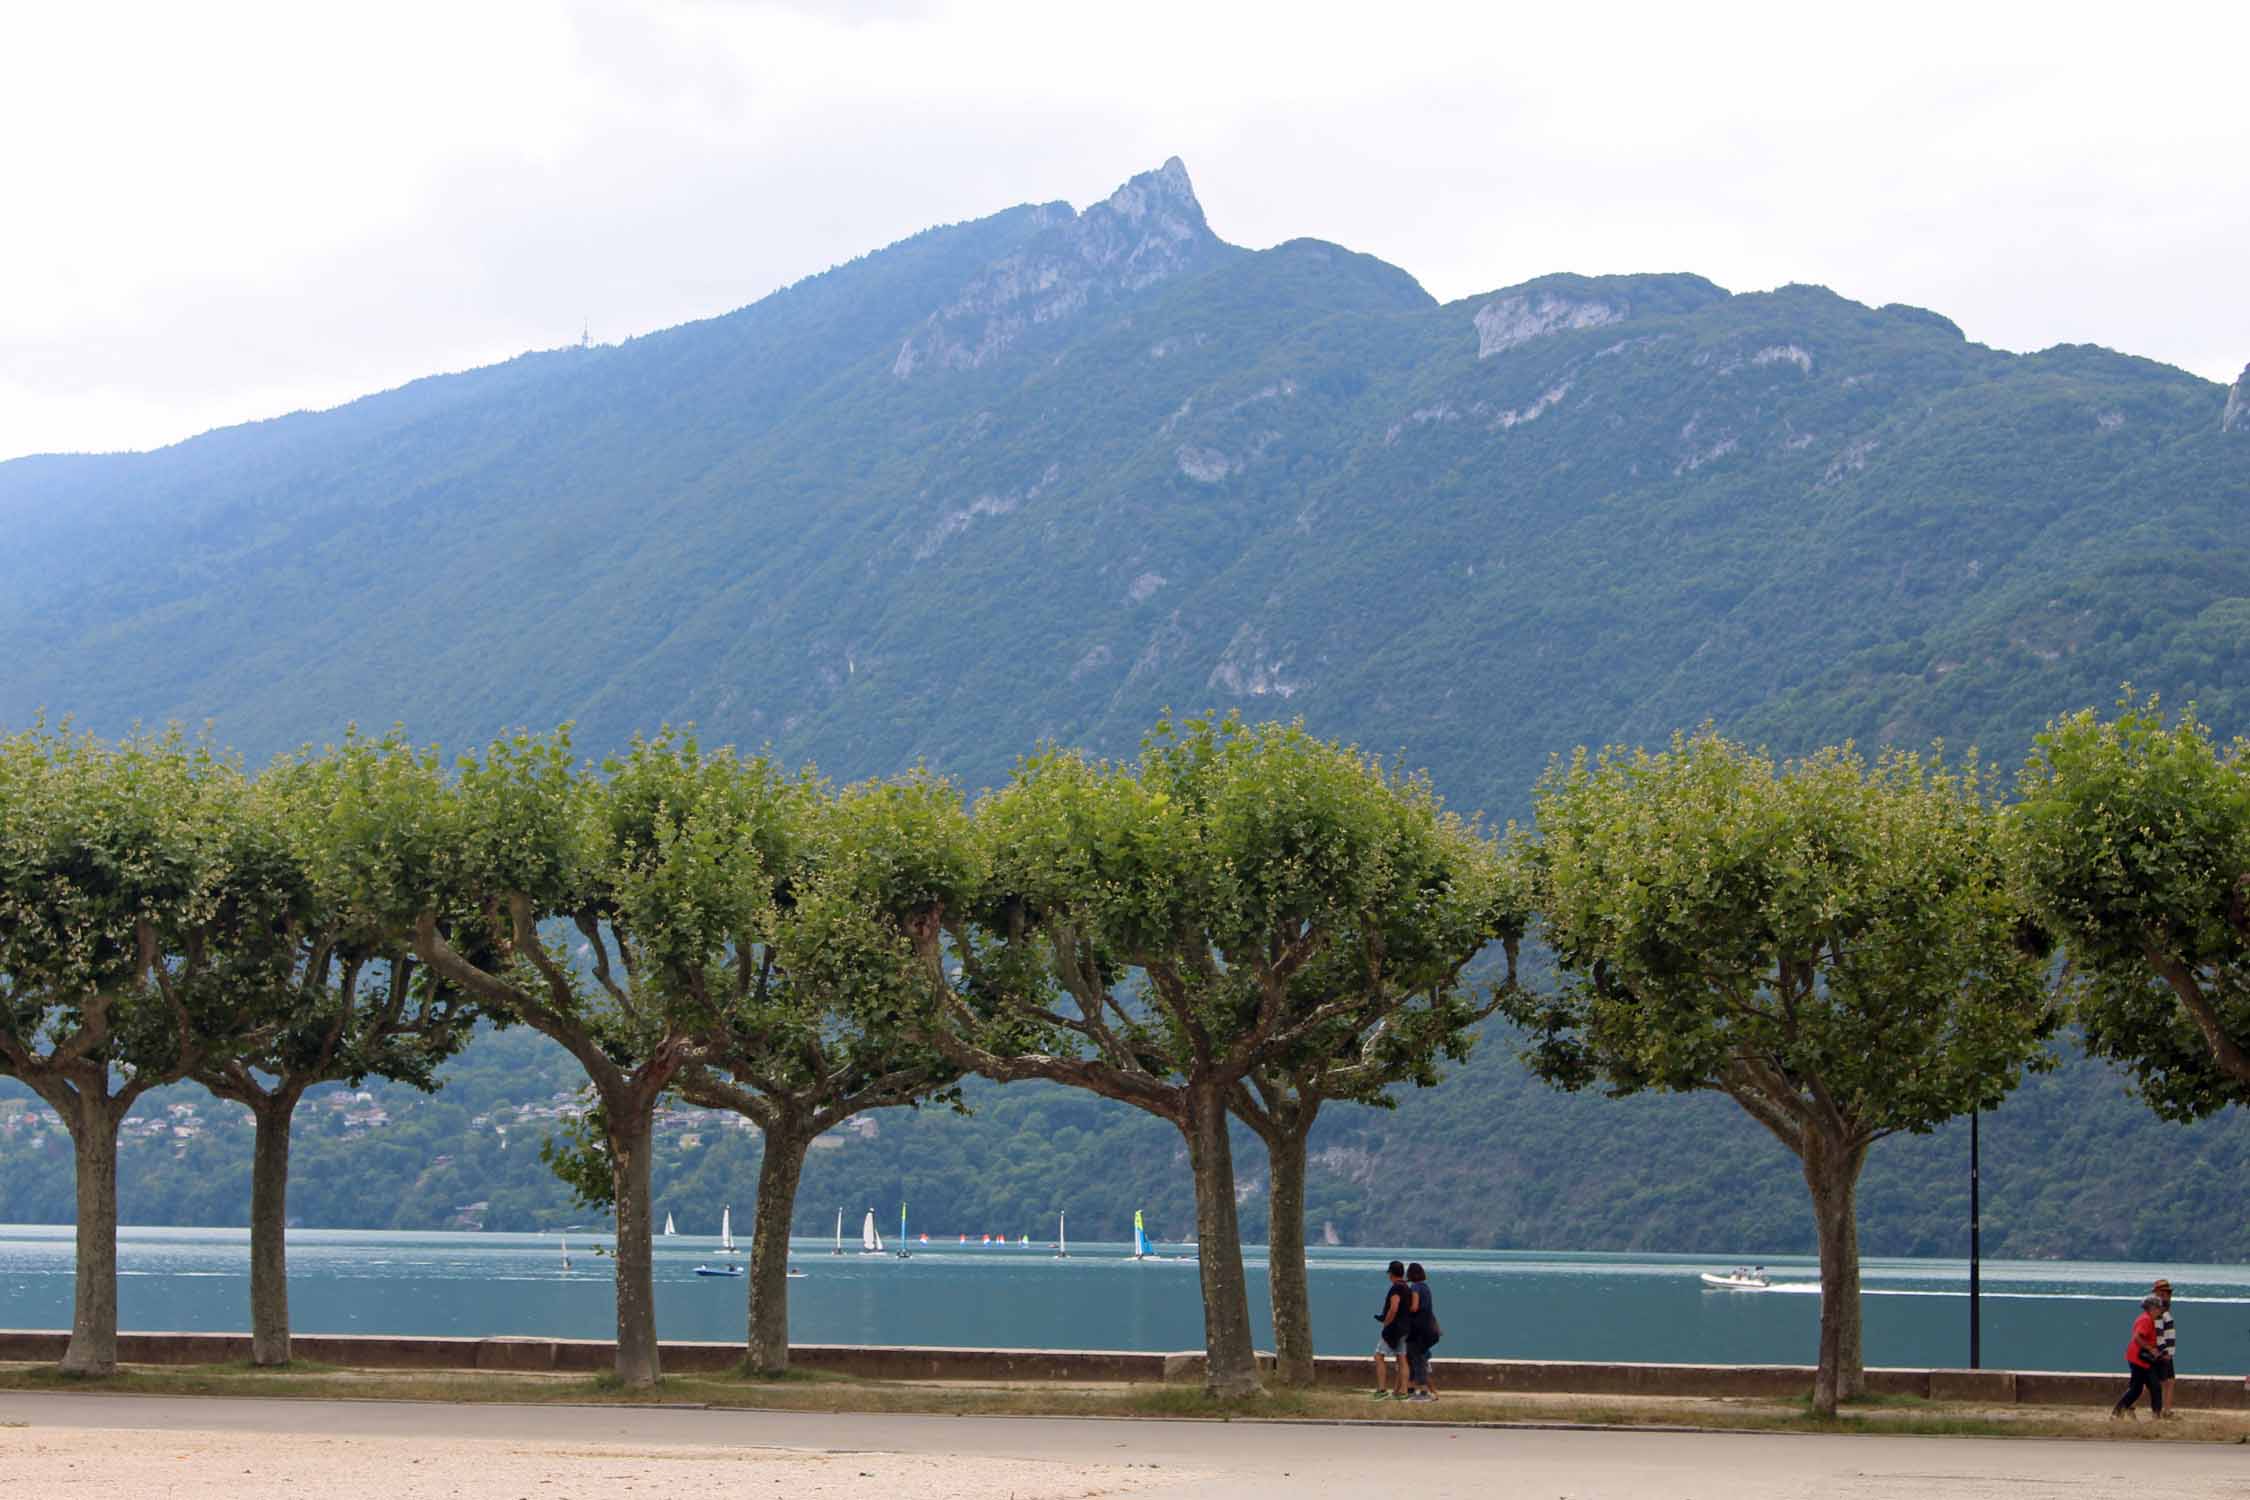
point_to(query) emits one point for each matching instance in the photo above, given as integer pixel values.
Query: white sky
(218, 211)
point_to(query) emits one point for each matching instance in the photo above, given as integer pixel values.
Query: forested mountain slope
(1042, 473)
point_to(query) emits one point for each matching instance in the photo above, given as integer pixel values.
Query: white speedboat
(1740, 1279)
(718, 1270)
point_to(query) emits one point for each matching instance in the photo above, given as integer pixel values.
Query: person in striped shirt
(2167, 1341)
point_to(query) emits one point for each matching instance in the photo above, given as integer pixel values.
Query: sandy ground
(189, 1448)
(64, 1462)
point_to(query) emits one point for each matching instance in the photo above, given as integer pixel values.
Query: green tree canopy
(837, 1019)
(1158, 917)
(1400, 960)
(138, 881)
(665, 866)
(1832, 944)
(2133, 838)
(342, 997)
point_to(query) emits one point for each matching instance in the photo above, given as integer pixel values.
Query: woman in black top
(1421, 1334)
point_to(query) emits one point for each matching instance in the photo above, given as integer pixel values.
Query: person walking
(2140, 1362)
(1422, 1334)
(1390, 1343)
(2167, 1343)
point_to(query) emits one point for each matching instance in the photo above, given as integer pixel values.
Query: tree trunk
(269, 1226)
(1230, 1362)
(768, 1347)
(1832, 1172)
(1285, 1254)
(630, 1122)
(93, 1319)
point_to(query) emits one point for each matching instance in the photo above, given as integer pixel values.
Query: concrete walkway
(494, 1450)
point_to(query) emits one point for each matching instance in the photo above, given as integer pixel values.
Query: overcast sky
(222, 211)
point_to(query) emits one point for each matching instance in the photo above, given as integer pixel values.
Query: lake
(2037, 1315)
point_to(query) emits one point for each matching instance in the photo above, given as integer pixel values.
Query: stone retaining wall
(899, 1362)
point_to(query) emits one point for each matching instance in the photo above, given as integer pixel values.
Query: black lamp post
(1976, 1256)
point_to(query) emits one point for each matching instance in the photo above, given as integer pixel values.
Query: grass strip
(816, 1391)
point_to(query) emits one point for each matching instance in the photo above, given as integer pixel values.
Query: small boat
(870, 1239)
(795, 1274)
(565, 1250)
(718, 1270)
(902, 1252)
(1142, 1249)
(1062, 1235)
(839, 1250)
(669, 1231)
(726, 1232)
(1740, 1279)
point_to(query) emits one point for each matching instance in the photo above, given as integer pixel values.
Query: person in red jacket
(2141, 1366)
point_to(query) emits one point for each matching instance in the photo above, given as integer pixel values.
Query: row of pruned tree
(1243, 922)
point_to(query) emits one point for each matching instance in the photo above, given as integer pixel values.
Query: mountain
(1042, 473)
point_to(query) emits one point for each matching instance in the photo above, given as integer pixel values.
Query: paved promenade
(186, 1448)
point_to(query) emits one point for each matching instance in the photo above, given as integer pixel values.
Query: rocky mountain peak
(2237, 415)
(1149, 230)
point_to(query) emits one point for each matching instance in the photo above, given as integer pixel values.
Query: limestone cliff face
(2236, 418)
(1505, 322)
(1517, 315)
(1149, 231)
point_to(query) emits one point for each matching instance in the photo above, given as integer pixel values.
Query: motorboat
(718, 1270)
(1740, 1279)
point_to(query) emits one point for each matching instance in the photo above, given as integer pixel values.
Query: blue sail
(1140, 1235)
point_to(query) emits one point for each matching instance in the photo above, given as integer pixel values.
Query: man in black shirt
(1390, 1345)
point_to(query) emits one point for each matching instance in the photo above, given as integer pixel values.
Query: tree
(1831, 944)
(834, 1022)
(660, 864)
(2133, 839)
(125, 872)
(1399, 963)
(343, 1001)
(1142, 933)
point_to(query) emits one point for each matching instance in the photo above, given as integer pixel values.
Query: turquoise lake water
(2037, 1315)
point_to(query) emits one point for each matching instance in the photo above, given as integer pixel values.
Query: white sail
(726, 1229)
(669, 1231)
(869, 1238)
(839, 1250)
(1062, 1233)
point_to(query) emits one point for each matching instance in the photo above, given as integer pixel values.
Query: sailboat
(726, 1232)
(1142, 1250)
(901, 1252)
(870, 1241)
(565, 1249)
(1062, 1235)
(669, 1231)
(839, 1250)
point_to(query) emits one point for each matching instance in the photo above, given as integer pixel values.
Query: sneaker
(1380, 1396)
(1421, 1396)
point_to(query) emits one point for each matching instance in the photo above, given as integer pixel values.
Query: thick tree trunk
(1285, 1255)
(269, 1226)
(768, 1346)
(629, 1150)
(1832, 1172)
(93, 1319)
(1231, 1363)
